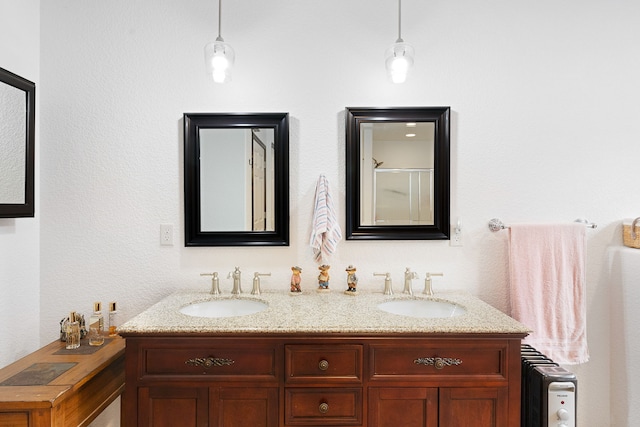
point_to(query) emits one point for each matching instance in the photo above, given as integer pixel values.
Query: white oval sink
(224, 308)
(422, 308)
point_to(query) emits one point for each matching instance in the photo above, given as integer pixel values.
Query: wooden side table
(57, 387)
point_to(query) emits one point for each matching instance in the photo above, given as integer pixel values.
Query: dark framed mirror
(397, 166)
(17, 145)
(236, 179)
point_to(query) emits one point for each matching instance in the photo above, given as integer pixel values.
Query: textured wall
(544, 101)
(20, 237)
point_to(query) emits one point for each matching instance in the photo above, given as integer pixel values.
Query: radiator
(548, 392)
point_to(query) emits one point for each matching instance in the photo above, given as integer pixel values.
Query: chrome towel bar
(496, 224)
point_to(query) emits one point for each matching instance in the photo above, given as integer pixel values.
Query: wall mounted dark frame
(194, 235)
(440, 230)
(26, 209)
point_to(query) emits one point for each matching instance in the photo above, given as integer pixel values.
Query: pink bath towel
(547, 288)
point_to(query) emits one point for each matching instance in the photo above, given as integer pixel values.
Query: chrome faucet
(388, 289)
(408, 277)
(215, 282)
(428, 289)
(237, 285)
(256, 282)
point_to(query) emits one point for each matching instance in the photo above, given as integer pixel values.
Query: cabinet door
(242, 407)
(14, 419)
(406, 407)
(474, 407)
(173, 406)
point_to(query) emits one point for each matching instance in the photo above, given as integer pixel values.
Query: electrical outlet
(456, 237)
(166, 234)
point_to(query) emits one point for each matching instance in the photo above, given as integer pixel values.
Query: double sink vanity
(322, 359)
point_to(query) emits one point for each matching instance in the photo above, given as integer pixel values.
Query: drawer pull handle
(323, 365)
(209, 362)
(323, 408)
(438, 362)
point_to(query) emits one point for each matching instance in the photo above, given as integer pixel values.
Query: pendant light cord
(219, 20)
(399, 22)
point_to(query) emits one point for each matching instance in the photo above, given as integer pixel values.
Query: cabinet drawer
(463, 362)
(335, 363)
(323, 406)
(236, 362)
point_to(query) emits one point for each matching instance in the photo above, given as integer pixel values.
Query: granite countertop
(313, 312)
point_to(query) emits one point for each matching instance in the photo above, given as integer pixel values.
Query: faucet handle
(388, 289)
(428, 289)
(234, 273)
(412, 274)
(215, 282)
(256, 282)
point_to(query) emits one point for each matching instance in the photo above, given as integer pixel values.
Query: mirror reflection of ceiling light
(219, 56)
(399, 57)
(411, 124)
(410, 135)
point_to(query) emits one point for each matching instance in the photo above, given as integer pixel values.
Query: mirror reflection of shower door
(258, 184)
(403, 196)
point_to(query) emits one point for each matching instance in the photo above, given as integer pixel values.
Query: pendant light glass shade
(218, 55)
(219, 58)
(399, 59)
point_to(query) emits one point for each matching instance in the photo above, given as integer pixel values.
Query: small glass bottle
(73, 332)
(96, 325)
(113, 325)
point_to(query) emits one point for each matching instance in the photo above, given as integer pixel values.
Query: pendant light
(399, 56)
(219, 56)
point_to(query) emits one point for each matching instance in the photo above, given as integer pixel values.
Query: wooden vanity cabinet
(202, 381)
(472, 381)
(323, 380)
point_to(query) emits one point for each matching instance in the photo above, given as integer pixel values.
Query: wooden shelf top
(47, 376)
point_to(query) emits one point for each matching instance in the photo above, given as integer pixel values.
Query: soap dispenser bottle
(72, 328)
(113, 319)
(96, 325)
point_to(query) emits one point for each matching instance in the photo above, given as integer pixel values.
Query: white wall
(544, 98)
(20, 237)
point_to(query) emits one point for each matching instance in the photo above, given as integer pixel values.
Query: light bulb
(219, 58)
(218, 76)
(399, 59)
(399, 64)
(220, 62)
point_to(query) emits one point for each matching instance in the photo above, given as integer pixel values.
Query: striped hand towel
(325, 233)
